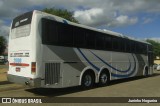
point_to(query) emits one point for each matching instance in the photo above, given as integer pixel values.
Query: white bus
(51, 52)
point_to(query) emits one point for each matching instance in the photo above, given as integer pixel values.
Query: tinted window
(100, 41)
(128, 45)
(65, 34)
(23, 19)
(108, 43)
(49, 32)
(116, 43)
(56, 33)
(79, 37)
(61, 34)
(141, 48)
(122, 45)
(133, 46)
(90, 39)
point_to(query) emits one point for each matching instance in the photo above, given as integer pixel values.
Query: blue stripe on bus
(127, 75)
(119, 75)
(94, 66)
(112, 74)
(124, 71)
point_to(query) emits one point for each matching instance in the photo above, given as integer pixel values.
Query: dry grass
(3, 70)
(3, 73)
(3, 77)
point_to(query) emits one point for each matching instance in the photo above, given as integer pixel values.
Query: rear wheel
(104, 78)
(87, 80)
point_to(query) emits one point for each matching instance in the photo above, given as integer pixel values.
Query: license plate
(18, 69)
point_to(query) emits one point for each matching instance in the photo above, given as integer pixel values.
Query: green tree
(61, 13)
(3, 43)
(156, 47)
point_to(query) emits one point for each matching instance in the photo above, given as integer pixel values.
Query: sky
(134, 18)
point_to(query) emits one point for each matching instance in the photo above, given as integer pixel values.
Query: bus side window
(99, 41)
(144, 49)
(122, 45)
(116, 43)
(133, 46)
(128, 46)
(65, 34)
(108, 43)
(49, 32)
(138, 49)
(79, 37)
(90, 39)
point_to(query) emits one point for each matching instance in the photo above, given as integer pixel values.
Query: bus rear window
(23, 19)
(22, 31)
(21, 25)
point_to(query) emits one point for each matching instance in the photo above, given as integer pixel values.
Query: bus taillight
(33, 68)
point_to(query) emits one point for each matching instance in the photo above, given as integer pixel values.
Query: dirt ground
(3, 72)
(3, 77)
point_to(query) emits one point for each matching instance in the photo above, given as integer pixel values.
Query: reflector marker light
(19, 64)
(33, 68)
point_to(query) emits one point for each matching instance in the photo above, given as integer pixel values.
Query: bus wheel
(104, 78)
(87, 80)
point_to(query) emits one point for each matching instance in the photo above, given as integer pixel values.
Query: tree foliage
(156, 47)
(61, 13)
(3, 43)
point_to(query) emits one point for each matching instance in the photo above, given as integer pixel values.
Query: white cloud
(97, 16)
(123, 20)
(90, 17)
(14, 7)
(11, 8)
(109, 13)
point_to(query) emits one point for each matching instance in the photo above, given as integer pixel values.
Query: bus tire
(88, 80)
(104, 78)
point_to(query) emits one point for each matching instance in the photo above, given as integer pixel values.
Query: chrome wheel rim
(87, 80)
(103, 78)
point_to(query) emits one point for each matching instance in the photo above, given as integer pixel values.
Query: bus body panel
(21, 50)
(117, 63)
(21, 54)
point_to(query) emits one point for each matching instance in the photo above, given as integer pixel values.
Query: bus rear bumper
(24, 80)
